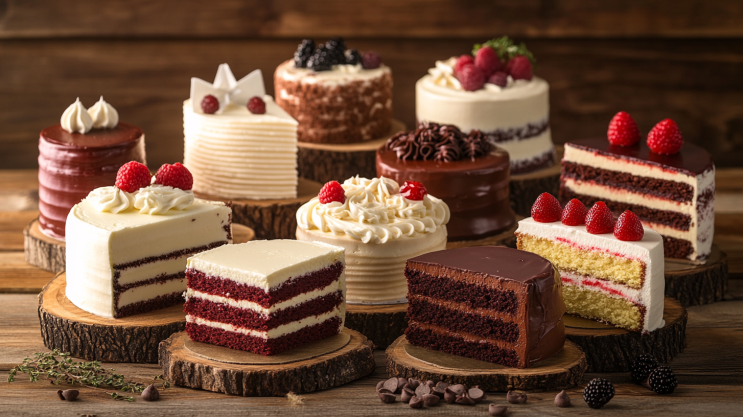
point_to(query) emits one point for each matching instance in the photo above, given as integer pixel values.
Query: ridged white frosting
(110, 199)
(104, 115)
(158, 199)
(76, 119)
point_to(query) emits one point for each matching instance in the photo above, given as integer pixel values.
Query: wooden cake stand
(323, 162)
(525, 188)
(564, 370)
(381, 323)
(320, 365)
(505, 238)
(48, 253)
(694, 284)
(609, 349)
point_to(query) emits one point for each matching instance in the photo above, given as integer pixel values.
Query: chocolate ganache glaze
(465, 171)
(71, 165)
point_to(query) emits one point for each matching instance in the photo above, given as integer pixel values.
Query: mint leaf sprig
(506, 49)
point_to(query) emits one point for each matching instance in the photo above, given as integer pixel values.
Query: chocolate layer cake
(490, 303)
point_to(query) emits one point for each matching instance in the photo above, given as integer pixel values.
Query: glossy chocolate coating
(71, 165)
(475, 191)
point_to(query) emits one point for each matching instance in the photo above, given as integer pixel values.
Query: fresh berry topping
(641, 368)
(413, 190)
(546, 209)
(463, 61)
(371, 60)
(320, 60)
(487, 60)
(499, 78)
(209, 104)
(598, 392)
(256, 105)
(132, 176)
(623, 130)
(303, 53)
(332, 191)
(628, 227)
(336, 48)
(353, 57)
(520, 68)
(665, 138)
(662, 380)
(471, 77)
(176, 176)
(599, 219)
(574, 213)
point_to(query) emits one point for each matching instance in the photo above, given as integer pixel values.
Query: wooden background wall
(681, 59)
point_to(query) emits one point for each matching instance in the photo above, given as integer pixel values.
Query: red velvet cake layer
(168, 256)
(156, 303)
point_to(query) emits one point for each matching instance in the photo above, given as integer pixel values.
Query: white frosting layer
(76, 119)
(150, 291)
(153, 269)
(104, 115)
(110, 199)
(158, 199)
(626, 292)
(237, 154)
(340, 74)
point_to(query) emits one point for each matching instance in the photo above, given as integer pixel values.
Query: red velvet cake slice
(266, 296)
(490, 303)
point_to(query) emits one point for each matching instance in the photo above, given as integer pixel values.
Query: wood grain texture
(12, 224)
(43, 251)
(698, 284)
(17, 276)
(382, 324)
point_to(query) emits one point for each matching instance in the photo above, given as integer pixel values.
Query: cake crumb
(294, 399)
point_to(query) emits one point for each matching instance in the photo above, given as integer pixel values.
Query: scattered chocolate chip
(384, 391)
(407, 394)
(439, 389)
(380, 385)
(386, 397)
(391, 385)
(449, 395)
(401, 383)
(416, 402)
(430, 400)
(413, 383)
(70, 394)
(458, 389)
(422, 390)
(430, 384)
(59, 393)
(476, 394)
(562, 399)
(464, 399)
(150, 393)
(514, 397)
(496, 410)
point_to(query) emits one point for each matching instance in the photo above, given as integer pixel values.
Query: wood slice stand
(271, 219)
(564, 370)
(183, 367)
(323, 162)
(525, 188)
(382, 324)
(698, 284)
(505, 238)
(609, 349)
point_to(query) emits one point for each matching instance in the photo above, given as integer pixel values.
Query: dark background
(655, 59)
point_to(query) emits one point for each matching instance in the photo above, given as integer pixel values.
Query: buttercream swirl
(431, 141)
(76, 118)
(111, 199)
(374, 212)
(158, 199)
(104, 115)
(443, 74)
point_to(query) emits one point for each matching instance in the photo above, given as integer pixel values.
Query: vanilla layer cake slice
(604, 278)
(266, 296)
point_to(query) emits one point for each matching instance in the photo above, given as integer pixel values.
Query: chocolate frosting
(434, 142)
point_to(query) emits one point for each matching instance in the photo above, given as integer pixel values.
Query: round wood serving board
(693, 284)
(381, 323)
(505, 238)
(323, 162)
(184, 368)
(525, 188)
(561, 371)
(610, 349)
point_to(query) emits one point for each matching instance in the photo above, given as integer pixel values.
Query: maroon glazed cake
(490, 303)
(465, 171)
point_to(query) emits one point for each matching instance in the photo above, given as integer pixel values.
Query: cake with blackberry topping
(494, 92)
(490, 303)
(464, 170)
(81, 153)
(337, 95)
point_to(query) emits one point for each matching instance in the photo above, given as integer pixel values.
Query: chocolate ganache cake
(81, 153)
(464, 170)
(490, 303)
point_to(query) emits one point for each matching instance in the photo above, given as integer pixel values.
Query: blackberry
(304, 52)
(641, 368)
(336, 43)
(336, 48)
(319, 61)
(353, 57)
(598, 392)
(662, 380)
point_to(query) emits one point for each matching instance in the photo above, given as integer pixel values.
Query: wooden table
(710, 370)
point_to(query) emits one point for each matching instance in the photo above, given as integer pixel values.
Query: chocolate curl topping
(476, 145)
(431, 141)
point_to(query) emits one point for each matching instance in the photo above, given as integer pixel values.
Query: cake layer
(150, 304)
(157, 288)
(587, 302)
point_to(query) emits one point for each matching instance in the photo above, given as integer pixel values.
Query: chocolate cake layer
(518, 133)
(676, 248)
(145, 306)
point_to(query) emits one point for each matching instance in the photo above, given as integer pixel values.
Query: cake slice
(490, 303)
(266, 296)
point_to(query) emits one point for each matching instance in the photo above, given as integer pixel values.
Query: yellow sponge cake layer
(596, 305)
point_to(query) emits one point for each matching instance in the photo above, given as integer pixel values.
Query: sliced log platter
(382, 324)
(698, 284)
(525, 188)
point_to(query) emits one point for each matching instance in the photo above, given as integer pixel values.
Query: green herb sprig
(506, 49)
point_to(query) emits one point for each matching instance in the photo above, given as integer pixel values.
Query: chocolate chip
(449, 395)
(422, 390)
(496, 410)
(384, 391)
(439, 389)
(458, 389)
(413, 383)
(401, 383)
(430, 384)
(514, 397)
(391, 385)
(465, 399)
(380, 385)
(407, 394)
(476, 394)
(416, 402)
(59, 393)
(386, 397)
(562, 399)
(430, 400)
(70, 394)
(150, 393)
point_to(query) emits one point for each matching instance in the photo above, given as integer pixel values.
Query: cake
(265, 296)
(380, 225)
(619, 282)
(233, 149)
(490, 303)
(672, 194)
(495, 93)
(465, 171)
(336, 95)
(81, 153)
(127, 245)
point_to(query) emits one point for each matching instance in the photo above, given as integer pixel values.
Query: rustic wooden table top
(710, 370)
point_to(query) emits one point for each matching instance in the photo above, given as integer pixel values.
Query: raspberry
(546, 209)
(499, 78)
(574, 213)
(371, 60)
(462, 62)
(132, 176)
(209, 104)
(413, 190)
(487, 60)
(303, 53)
(623, 130)
(520, 68)
(599, 219)
(256, 105)
(176, 176)
(665, 138)
(332, 191)
(471, 77)
(628, 227)
(641, 368)
(662, 380)
(598, 392)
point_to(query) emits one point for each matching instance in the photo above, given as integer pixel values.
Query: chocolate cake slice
(490, 303)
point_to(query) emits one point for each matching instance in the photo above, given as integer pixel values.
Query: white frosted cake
(266, 296)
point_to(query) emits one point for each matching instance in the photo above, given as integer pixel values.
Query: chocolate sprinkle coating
(434, 142)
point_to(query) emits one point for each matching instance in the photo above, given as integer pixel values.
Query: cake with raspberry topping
(337, 95)
(127, 244)
(81, 153)
(492, 91)
(266, 296)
